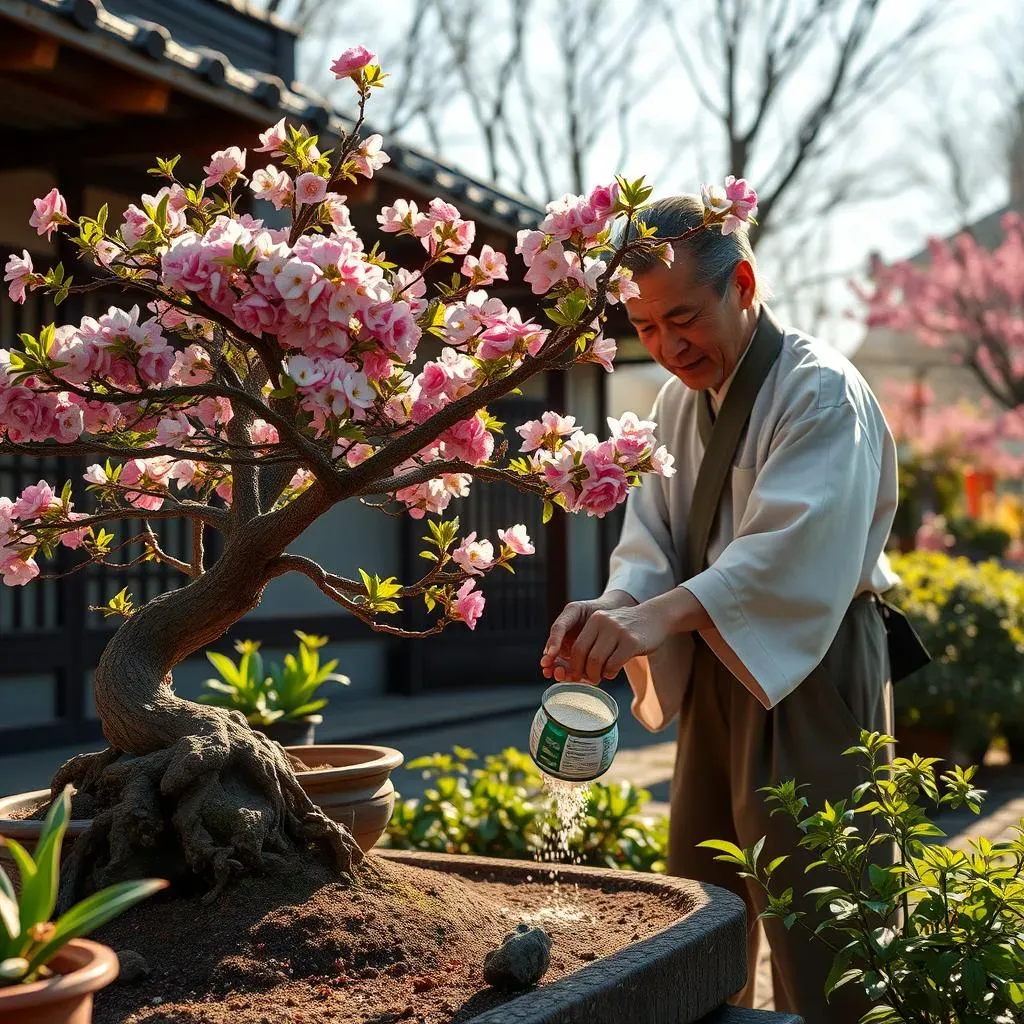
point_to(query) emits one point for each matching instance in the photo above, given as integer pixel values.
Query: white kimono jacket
(800, 533)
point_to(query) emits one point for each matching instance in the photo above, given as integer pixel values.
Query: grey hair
(714, 255)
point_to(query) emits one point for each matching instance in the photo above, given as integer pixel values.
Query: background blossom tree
(966, 300)
(262, 376)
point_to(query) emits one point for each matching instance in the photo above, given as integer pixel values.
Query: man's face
(691, 330)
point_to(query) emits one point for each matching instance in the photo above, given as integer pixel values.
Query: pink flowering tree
(966, 300)
(263, 376)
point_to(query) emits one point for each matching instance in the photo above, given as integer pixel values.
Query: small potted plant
(48, 972)
(279, 700)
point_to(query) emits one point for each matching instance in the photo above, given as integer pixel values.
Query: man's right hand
(566, 628)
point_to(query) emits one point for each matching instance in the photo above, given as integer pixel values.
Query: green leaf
(549, 511)
(10, 916)
(731, 853)
(39, 894)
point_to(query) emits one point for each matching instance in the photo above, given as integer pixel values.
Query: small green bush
(938, 938)
(971, 618)
(499, 809)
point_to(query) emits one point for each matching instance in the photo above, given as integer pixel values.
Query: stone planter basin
(677, 976)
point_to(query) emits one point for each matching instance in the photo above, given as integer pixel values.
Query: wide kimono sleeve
(778, 592)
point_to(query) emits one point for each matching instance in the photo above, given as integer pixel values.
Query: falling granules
(568, 801)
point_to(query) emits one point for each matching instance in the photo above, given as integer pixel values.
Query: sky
(958, 81)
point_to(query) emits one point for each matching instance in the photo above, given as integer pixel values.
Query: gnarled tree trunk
(187, 789)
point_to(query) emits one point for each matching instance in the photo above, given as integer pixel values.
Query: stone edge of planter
(676, 976)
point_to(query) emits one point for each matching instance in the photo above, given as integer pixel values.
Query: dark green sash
(721, 437)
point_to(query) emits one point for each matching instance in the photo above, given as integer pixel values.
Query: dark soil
(404, 944)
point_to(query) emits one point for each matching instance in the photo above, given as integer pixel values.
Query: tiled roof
(216, 77)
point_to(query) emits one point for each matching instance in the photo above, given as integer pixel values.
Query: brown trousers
(730, 746)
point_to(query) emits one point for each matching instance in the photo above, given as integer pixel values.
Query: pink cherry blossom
(517, 539)
(604, 198)
(18, 273)
(50, 212)
(34, 501)
(403, 215)
(273, 139)
(602, 350)
(606, 485)
(744, 203)
(70, 421)
(622, 287)
(224, 167)
(633, 438)
(73, 538)
(354, 59)
(548, 268)
(272, 185)
(474, 556)
(547, 431)
(310, 189)
(370, 156)
(491, 266)
(469, 604)
(662, 462)
(96, 475)
(469, 440)
(529, 244)
(17, 570)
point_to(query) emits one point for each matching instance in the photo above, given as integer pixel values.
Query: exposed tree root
(219, 801)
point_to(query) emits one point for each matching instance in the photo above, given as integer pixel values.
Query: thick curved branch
(299, 563)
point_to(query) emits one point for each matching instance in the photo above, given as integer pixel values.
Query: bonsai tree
(271, 374)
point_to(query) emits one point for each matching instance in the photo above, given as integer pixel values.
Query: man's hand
(567, 627)
(593, 640)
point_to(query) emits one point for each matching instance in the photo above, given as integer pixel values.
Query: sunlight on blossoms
(247, 348)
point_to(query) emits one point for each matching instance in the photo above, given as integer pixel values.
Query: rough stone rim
(715, 927)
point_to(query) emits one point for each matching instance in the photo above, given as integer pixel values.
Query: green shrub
(275, 693)
(971, 618)
(936, 939)
(499, 809)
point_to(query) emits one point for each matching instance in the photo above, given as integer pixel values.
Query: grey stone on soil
(520, 961)
(134, 967)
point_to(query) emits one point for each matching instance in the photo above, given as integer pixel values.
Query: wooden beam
(136, 138)
(121, 92)
(21, 50)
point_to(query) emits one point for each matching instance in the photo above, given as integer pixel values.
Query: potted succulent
(48, 973)
(278, 699)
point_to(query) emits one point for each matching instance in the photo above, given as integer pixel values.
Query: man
(772, 650)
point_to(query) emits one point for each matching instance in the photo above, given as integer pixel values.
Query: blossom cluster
(325, 337)
(38, 510)
(587, 474)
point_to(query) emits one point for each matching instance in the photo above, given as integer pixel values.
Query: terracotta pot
(26, 830)
(357, 790)
(290, 734)
(81, 968)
